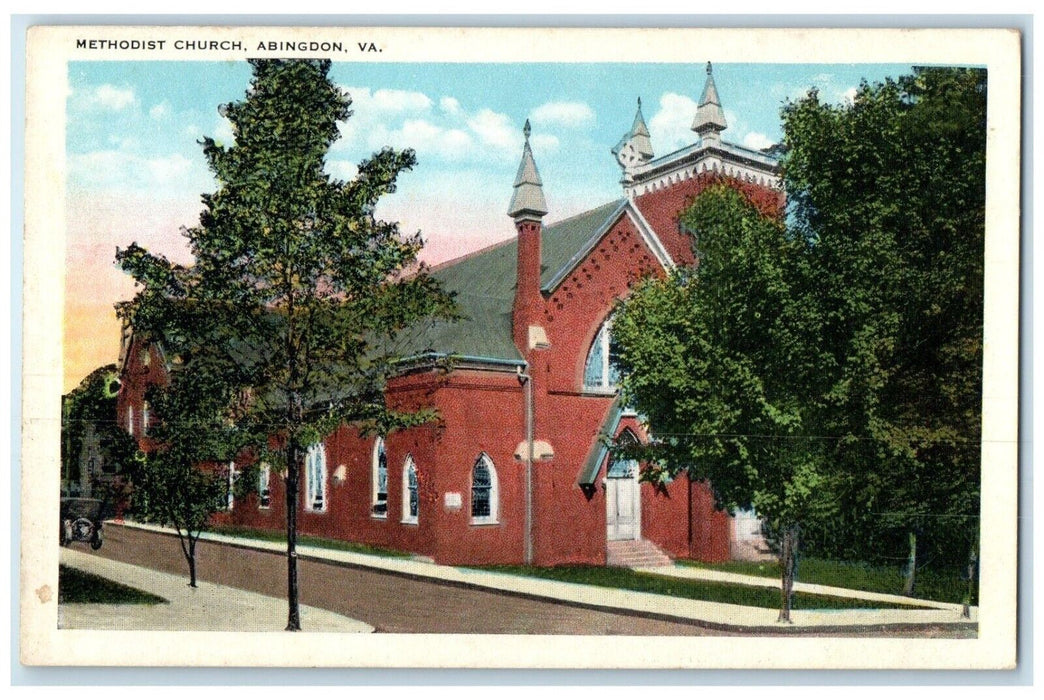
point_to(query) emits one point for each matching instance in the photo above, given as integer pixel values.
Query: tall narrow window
(230, 485)
(484, 496)
(379, 479)
(315, 477)
(264, 493)
(145, 418)
(601, 370)
(130, 419)
(410, 502)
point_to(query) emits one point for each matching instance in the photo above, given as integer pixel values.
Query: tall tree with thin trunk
(297, 290)
(720, 360)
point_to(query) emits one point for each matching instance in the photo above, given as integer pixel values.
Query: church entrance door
(623, 516)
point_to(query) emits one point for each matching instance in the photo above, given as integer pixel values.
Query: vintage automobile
(81, 521)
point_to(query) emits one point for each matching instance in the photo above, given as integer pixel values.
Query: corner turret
(527, 202)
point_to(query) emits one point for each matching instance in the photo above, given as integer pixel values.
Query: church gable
(585, 295)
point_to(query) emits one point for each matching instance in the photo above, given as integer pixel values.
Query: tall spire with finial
(527, 202)
(635, 147)
(710, 117)
(640, 135)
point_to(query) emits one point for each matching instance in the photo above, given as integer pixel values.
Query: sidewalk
(208, 607)
(707, 614)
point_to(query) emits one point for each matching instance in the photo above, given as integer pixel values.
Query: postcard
(520, 347)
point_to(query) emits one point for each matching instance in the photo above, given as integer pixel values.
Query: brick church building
(517, 467)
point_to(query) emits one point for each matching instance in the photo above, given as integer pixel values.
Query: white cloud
(566, 114)
(388, 101)
(113, 169)
(849, 95)
(437, 129)
(342, 169)
(757, 141)
(159, 111)
(671, 127)
(105, 96)
(164, 171)
(449, 105)
(222, 132)
(495, 129)
(544, 144)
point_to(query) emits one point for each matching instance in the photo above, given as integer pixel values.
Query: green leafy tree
(195, 436)
(718, 361)
(827, 370)
(297, 290)
(891, 190)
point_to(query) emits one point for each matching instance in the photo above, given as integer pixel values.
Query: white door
(623, 518)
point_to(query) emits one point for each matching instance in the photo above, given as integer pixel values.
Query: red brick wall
(144, 366)
(662, 208)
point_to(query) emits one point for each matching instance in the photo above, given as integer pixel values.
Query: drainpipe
(527, 534)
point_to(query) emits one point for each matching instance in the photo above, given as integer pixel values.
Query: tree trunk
(787, 560)
(911, 566)
(293, 473)
(188, 550)
(192, 561)
(973, 561)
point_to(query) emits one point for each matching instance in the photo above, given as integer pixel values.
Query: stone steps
(635, 554)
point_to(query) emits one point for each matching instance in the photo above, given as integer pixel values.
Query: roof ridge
(614, 203)
(499, 244)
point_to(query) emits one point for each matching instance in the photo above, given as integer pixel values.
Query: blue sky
(133, 126)
(135, 171)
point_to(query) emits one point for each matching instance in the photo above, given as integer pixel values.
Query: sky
(135, 170)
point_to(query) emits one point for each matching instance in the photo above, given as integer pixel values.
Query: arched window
(621, 466)
(601, 371)
(379, 480)
(484, 492)
(315, 478)
(410, 502)
(264, 492)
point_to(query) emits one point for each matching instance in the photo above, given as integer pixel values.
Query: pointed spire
(527, 202)
(710, 117)
(635, 147)
(640, 135)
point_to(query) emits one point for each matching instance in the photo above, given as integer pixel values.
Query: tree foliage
(891, 189)
(297, 290)
(716, 359)
(826, 369)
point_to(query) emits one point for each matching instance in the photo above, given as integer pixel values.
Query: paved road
(390, 603)
(394, 603)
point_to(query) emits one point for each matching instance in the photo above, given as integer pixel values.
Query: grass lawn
(75, 586)
(616, 577)
(308, 540)
(944, 586)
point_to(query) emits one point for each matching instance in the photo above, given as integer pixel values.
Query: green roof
(600, 447)
(484, 283)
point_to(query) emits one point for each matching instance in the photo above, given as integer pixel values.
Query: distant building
(88, 467)
(518, 469)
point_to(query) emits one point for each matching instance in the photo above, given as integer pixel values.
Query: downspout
(527, 533)
(688, 481)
